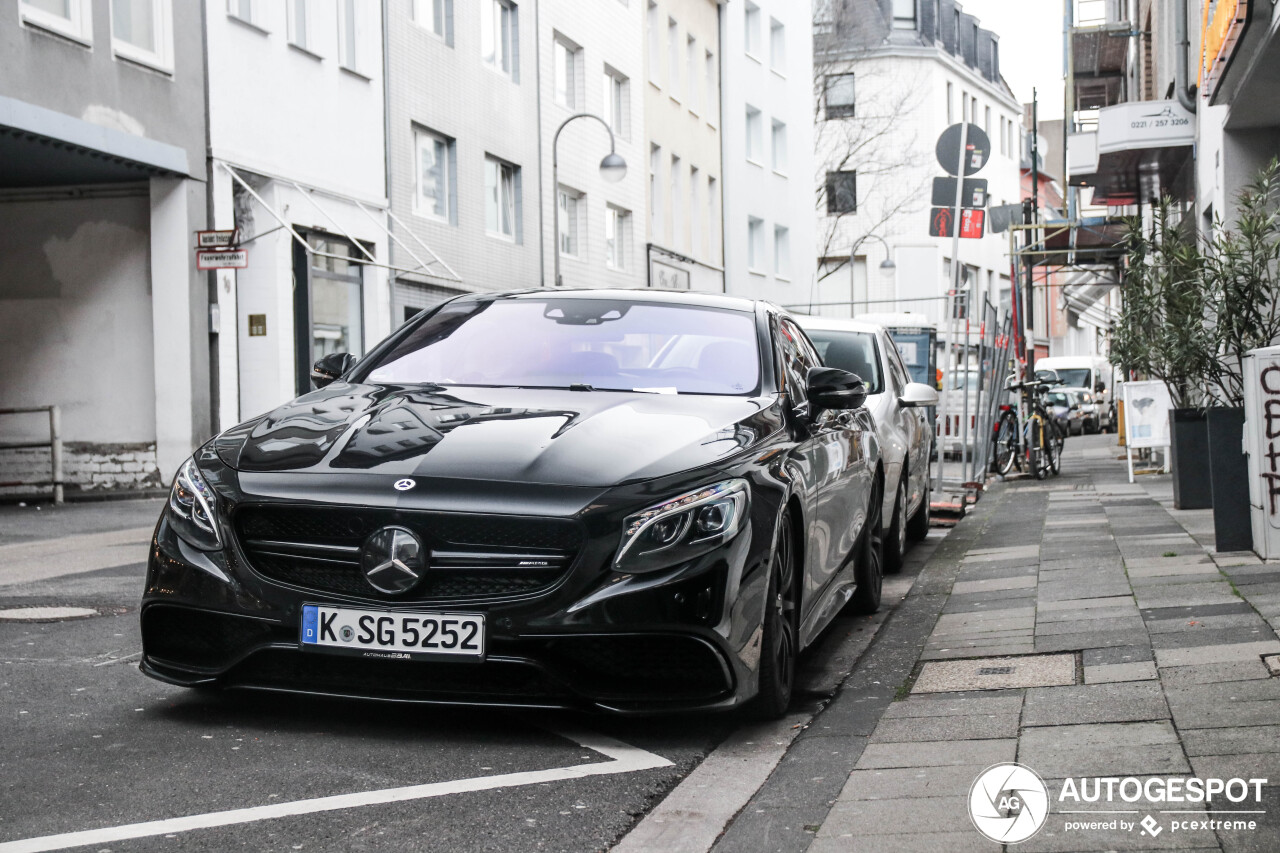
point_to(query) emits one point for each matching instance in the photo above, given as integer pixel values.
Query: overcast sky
(1030, 46)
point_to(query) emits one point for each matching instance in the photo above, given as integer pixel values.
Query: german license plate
(392, 634)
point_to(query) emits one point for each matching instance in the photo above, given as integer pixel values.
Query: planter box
(1229, 470)
(1189, 459)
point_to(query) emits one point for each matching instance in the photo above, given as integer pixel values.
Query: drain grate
(997, 673)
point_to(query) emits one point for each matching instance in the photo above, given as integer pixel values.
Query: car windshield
(1077, 376)
(852, 351)
(556, 342)
(1058, 398)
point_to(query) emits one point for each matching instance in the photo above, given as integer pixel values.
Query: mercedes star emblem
(404, 485)
(392, 560)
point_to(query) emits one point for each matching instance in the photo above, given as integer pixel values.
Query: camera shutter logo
(1008, 803)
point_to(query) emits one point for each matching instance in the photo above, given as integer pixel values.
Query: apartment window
(673, 58)
(501, 198)
(986, 121)
(244, 10)
(904, 14)
(655, 191)
(779, 140)
(498, 29)
(615, 101)
(755, 140)
(651, 30)
(951, 110)
(842, 192)
(617, 224)
(300, 25)
(841, 95)
(691, 72)
(73, 18)
(435, 16)
(567, 58)
(973, 110)
(712, 217)
(713, 88)
(695, 211)
(781, 251)
(755, 244)
(678, 234)
(349, 35)
(1004, 136)
(751, 31)
(777, 46)
(569, 201)
(142, 30)
(436, 174)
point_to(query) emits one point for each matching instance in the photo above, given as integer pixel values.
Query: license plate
(393, 634)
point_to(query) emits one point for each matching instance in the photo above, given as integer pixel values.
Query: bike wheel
(1037, 450)
(1055, 441)
(1006, 455)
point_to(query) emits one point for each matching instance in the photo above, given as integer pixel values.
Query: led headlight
(193, 508)
(682, 528)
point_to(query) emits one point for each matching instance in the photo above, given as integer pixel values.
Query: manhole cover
(45, 614)
(947, 676)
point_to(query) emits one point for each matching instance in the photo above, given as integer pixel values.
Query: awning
(45, 148)
(432, 270)
(1140, 146)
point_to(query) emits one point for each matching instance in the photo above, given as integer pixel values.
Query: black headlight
(193, 508)
(682, 528)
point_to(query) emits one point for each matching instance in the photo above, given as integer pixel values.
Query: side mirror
(1100, 387)
(918, 394)
(833, 388)
(331, 367)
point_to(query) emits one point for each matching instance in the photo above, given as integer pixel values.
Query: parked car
(1094, 374)
(628, 501)
(900, 410)
(1065, 406)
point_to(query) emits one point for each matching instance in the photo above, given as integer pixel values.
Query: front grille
(471, 556)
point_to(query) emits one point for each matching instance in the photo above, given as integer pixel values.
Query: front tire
(918, 525)
(895, 543)
(869, 574)
(781, 640)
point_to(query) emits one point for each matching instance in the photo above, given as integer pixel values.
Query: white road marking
(624, 759)
(25, 562)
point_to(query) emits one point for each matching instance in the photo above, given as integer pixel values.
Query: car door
(912, 423)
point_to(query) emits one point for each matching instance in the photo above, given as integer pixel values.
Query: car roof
(641, 294)
(835, 324)
(899, 319)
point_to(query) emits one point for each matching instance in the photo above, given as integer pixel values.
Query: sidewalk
(1148, 662)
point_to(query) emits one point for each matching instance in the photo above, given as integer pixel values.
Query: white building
(767, 69)
(887, 86)
(297, 164)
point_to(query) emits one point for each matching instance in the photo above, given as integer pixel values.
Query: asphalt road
(89, 744)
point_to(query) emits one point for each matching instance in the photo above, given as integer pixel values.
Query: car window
(608, 344)
(855, 352)
(896, 368)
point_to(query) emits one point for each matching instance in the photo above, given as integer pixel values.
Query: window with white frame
(712, 217)
(712, 78)
(566, 58)
(570, 202)
(691, 55)
(751, 28)
(617, 224)
(142, 30)
(755, 244)
(755, 135)
(951, 110)
(779, 139)
(349, 24)
(695, 211)
(986, 121)
(436, 17)
(616, 89)
(673, 58)
(904, 14)
(777, 45)
(245, 10)
(73, 18)
(498, 29)
(300, 25)
(651, 36)
(781, 252)
(501, 198)
(679, 235)
(1004, 136)
(655, 190)
(841, 95)
(435, 174)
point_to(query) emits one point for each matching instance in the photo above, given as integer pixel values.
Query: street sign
(215, 239)
(977, 149)
(942, 223)
(974, 195)
(230, 259)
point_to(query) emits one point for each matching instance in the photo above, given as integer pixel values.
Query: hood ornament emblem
(404, 485)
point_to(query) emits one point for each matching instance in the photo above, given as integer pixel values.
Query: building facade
(102, 186)
(890, 77)
(767, 90)
(683, 123)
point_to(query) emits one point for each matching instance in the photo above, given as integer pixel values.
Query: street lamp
(612, 168)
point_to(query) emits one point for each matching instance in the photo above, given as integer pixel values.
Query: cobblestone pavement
(1165, 640)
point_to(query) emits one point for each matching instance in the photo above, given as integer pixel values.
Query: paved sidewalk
(1153, 645)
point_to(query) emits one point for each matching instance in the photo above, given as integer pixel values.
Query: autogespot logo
(1008, 803)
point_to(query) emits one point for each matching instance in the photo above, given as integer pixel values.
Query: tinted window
(1074, 376)
(851, 351)
(609, 344)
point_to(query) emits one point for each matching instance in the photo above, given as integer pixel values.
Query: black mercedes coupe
(632, 501)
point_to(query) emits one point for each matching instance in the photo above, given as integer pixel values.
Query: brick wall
(86, 468)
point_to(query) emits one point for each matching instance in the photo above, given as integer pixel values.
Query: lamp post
(612, 168)
(887, 266)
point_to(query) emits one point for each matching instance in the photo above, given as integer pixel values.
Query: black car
(631, 501)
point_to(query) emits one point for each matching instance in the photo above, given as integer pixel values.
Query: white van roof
(1069, 361)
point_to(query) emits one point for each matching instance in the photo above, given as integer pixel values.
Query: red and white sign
(225, 259)
(215, 239)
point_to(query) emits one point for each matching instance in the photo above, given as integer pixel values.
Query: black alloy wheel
(869, 573)
(895, 544)
(781, 641)
(918, 524)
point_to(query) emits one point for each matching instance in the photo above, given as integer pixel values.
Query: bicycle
(1038, 438)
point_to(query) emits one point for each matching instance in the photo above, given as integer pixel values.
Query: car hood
(533, 436)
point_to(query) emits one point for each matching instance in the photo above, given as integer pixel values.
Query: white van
(1087, 371)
